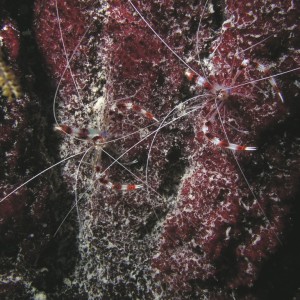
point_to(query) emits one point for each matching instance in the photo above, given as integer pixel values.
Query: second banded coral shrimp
(101, 117)
(113, 234)
(230, 213)
(116, 228)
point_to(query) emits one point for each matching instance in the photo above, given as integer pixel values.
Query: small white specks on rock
(99, 103)
(67, 282)
(227, 232)
(40, 296)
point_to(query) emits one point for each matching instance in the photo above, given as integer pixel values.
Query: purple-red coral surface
(208, 222)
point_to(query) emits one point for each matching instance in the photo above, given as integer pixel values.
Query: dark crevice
(173, 171)
(219, 7)
(30, 241)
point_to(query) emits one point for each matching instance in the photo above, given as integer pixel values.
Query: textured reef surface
(208, 223)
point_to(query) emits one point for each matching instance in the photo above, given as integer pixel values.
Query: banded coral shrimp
(180, 225)
(109, 226)
(43, 12)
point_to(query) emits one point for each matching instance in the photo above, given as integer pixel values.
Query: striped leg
(266, 71)
(128, 105)
(199, 81)
(117, 186)
(222, 143)
(83, 133)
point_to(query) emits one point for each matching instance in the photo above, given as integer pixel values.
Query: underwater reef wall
(208, 222)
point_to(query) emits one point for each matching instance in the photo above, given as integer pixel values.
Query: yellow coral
(8, 81)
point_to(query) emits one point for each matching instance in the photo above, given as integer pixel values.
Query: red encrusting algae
(209, 220)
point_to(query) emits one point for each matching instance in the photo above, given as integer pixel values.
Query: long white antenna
(40, 173)
(161, 39)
